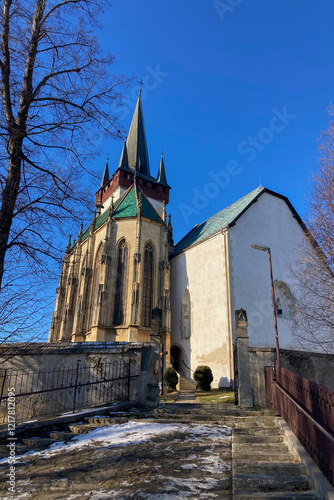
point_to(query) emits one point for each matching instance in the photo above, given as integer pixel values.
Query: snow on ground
(192, 475)
(130, 433)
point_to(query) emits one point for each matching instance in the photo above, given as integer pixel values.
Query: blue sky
(235, 91)
(216, 75)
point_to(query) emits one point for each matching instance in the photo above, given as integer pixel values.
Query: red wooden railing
(308, 408)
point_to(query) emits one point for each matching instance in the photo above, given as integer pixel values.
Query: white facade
(202, 271)
(223, 273)
(271, 223)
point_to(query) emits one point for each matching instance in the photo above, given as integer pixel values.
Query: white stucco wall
(201, 269)
(271, 223)
(116, 194)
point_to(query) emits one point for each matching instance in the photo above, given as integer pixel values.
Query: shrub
(170, 379)
(203, 376)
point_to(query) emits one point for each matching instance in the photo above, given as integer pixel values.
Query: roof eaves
(221, 230)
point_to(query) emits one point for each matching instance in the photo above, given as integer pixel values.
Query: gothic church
(118, 269)
(125, 265)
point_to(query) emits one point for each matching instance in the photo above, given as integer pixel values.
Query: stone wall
(20, 361)
(315, 367)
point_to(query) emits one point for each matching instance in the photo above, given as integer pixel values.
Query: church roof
(129, 203)
(162, 179)
(136, 142)
(224, 218)
(105, 178)
(127, 206)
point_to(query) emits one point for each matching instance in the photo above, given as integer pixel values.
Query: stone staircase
(264, 463)
(186, 384)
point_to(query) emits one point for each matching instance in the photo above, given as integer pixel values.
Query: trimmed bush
(203, 376)
(170, 379)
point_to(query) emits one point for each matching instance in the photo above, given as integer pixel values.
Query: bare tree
(57, 102)
(315, 304)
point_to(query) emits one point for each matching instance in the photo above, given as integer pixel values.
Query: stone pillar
(245, 389)
(153, 361)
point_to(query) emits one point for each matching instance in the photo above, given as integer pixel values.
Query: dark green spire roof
(162, 179)
(105, 178)
(136, 142)
(124, 161)
(128, 205)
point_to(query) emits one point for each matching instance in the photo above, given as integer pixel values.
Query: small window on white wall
(285, 302)
(186, 315)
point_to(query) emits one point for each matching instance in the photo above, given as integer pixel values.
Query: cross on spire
(141, 83)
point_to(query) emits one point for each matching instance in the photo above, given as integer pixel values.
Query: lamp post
(267, 249)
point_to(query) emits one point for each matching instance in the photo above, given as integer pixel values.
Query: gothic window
(185, 315)
(147, 285)
(120, 298)
(96, 283)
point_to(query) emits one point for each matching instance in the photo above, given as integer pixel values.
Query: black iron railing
(48, 392)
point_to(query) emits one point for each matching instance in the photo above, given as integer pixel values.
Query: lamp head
(261, 247)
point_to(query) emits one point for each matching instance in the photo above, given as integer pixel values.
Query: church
(125, 265)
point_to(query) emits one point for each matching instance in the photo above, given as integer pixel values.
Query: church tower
(117, 271)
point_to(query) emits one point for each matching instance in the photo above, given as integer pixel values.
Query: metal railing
(42, 393)
(308, 408)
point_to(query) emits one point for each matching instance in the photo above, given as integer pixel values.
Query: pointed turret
(162, 179)
(124, 161)
(68, 247)
(92, 226)
(105, 178)
(80, 233)
(136, 142)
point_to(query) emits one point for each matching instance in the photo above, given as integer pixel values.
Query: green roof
(127, 206)
(226, 217)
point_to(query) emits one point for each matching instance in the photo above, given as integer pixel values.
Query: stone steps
(270, 482)
(264, 465)
(37, 442)
(186, 384)
(270, 468)
(277, 495)
(61, 436)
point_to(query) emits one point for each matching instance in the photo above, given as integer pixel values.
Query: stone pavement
(177, 451)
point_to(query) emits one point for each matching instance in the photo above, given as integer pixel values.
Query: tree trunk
(9, 197)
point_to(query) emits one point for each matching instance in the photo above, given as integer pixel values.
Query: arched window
(186, 315)
(122, 267)
(147, 285)
(285, 302)
(96, 285)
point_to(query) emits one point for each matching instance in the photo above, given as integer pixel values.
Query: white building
(215, 271)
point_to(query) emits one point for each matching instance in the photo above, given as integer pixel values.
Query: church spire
(162, 173)
(124, 162)
(136, 142)
(105, 178)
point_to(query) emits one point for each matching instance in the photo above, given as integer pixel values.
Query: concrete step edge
(276, 482)
(252, 495)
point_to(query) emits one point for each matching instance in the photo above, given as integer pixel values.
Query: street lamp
(267, 249)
